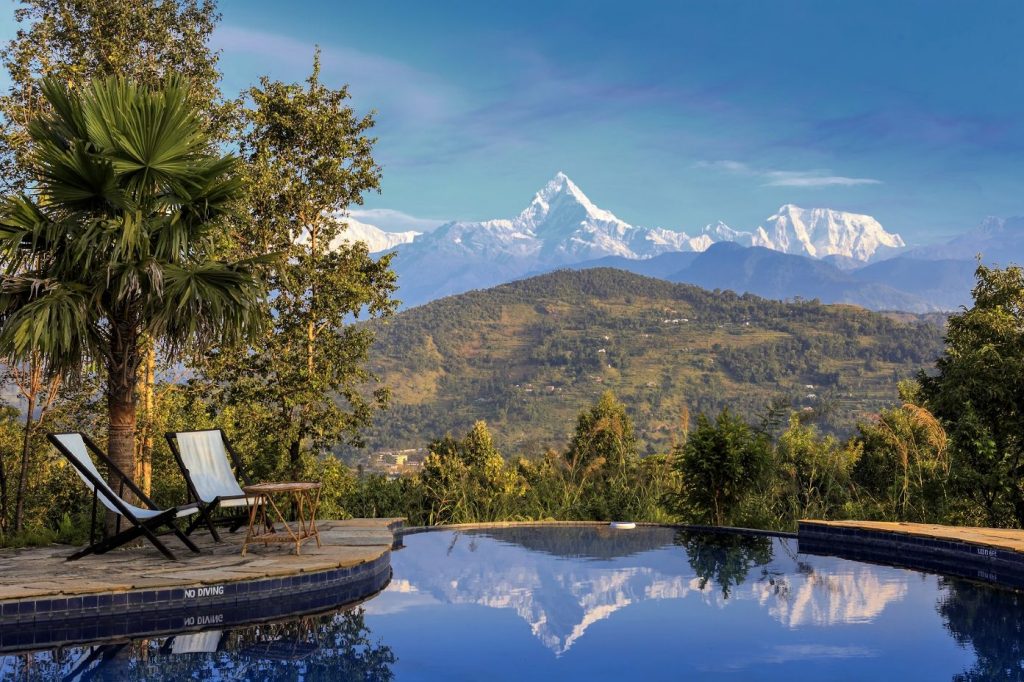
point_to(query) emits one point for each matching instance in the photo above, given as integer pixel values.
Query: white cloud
(391, 220)
(820, 177)
(816, 178)
(737, 167)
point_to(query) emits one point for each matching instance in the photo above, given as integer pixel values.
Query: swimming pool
(592, 603)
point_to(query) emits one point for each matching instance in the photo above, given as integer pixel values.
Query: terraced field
(527, 356)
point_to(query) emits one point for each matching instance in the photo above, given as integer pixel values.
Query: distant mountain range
(834, 256)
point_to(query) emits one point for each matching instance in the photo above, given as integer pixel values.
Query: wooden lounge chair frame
(101, 492)
(228, 494)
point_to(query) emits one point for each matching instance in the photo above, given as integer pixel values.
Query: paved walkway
(1008, 539)
(43, 571)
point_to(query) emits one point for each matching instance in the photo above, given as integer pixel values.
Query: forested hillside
(527, 356)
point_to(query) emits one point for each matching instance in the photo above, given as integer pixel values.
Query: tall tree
(309, 158)
(76, 41)
(115, 242)
(978, 395)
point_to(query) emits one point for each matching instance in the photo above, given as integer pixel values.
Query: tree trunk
(144, 473)
(3, 494)
(295, 458)
(26, 444)
(121, 437)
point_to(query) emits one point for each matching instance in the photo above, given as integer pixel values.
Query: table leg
(314, 531)
(253, 513)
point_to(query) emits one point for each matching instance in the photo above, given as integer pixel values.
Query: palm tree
(115, 241)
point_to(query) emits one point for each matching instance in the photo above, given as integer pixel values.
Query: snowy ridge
(376, 239)
(562, 227)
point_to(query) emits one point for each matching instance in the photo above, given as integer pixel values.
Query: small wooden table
(305, 497)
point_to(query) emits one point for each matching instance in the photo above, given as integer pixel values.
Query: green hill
(527, 356)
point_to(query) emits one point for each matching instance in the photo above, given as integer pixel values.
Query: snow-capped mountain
(376, 239)
(820, 232)
(562, 227)
(814, 232)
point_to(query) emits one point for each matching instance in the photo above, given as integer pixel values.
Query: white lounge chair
(204, 460)
(145, 522)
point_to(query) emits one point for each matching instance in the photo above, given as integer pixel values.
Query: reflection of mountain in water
(572, 578)
(817, 598)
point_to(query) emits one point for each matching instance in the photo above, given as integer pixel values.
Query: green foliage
(524, 356)
(978, 396)
(722, 464)
(904, 470)
(75, 42)
(115, 245)
(303, 387)
(468, 480)
(813, 471)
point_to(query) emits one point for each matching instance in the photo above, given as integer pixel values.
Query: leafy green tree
(601, 449)
(77, 41)
(114, 244)
(978, 396)
(468, 480)
(722, 464)
(308, 158)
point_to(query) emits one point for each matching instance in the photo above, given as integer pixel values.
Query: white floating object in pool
(623, 525)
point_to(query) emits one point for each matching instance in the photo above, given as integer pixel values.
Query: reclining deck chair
(203, 459)
(144, 522)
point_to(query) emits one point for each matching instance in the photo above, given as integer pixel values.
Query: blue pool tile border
(65, 607)
(49, 622)
(959, 558)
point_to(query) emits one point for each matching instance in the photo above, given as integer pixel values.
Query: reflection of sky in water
(594, 604)
(480, 606)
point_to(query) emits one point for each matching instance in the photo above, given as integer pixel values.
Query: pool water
(589, 603)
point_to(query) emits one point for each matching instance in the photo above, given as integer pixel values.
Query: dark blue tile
(90, 601)
(74, 604)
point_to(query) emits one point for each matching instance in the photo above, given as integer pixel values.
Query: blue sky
(670, 113)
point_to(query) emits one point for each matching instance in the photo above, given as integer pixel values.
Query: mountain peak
(820, 232)
(563, 204)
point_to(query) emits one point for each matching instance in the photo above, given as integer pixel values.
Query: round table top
(296, 486)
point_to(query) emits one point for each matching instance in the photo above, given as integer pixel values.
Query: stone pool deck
(135, 589)
(987, 554)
